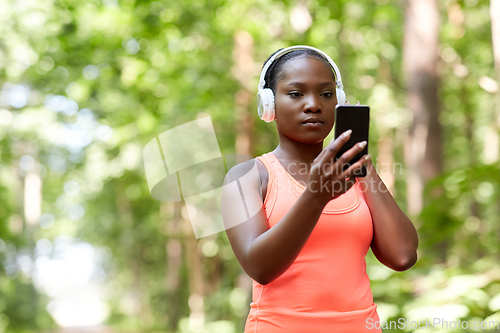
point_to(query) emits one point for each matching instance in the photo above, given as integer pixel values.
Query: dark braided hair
(275, 71)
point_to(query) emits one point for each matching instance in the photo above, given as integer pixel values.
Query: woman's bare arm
(395, 239)
(266, 253)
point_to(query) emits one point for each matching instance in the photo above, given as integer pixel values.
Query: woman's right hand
(327, 180)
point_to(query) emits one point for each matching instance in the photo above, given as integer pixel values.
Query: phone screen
(357, 119)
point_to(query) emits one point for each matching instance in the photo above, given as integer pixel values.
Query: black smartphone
(357, 119)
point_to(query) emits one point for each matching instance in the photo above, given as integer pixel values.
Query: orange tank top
(326, 289)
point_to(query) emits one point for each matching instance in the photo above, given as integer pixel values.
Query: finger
(347, 103)
(333, 148)
(315, 169)
(341, 162)
(355, 169)
(345, 134)
(368, 163)
(320, 155)
(323, 152)
(343, 186)
(358, 103)
(318, 158)
(357, 148)
(347, 156)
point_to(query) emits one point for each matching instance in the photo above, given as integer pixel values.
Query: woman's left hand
(395, 239)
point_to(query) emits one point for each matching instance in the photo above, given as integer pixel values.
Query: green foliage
(143, 67)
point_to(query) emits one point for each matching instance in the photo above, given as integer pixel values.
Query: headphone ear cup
(341, 97)
(265, 105)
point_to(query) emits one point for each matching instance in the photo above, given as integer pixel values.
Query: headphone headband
(278, 54)
(265, 96)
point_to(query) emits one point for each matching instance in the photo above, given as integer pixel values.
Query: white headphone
(265, 97)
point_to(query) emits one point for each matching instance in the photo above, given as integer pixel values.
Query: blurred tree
(492, 146)
(243, 70)
(423, 149)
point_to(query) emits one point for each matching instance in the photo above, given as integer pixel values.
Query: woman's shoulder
(243, 168)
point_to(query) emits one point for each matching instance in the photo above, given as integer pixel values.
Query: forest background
(85, 85)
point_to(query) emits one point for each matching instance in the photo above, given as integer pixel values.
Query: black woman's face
(307, 90)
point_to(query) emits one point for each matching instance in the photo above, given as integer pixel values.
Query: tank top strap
(274, 179)
(269, 163)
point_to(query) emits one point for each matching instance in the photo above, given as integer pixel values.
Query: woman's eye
(328, 94)
(294, 94)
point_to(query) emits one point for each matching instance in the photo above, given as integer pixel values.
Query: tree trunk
(385, 161)
(243, 72)
(495, 33)
(385, 146)
(196, 278)
(171, 213)
(134, 255)
(491, 149)
(423, 148)
(495, 36)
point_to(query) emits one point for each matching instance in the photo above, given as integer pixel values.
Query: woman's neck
(297, 152)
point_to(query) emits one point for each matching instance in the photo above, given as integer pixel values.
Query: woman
(304, 243)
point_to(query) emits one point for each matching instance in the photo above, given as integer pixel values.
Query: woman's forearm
(274, 251)
(395, 239)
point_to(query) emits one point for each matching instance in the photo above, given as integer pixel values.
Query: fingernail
(362, 144)
(347, 133)
(368, 157)
(358, 103)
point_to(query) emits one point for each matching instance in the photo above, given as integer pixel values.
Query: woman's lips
(313, 124)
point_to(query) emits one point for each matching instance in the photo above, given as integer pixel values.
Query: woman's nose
(312, 104)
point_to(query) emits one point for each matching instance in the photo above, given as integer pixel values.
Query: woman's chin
(311, 140)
